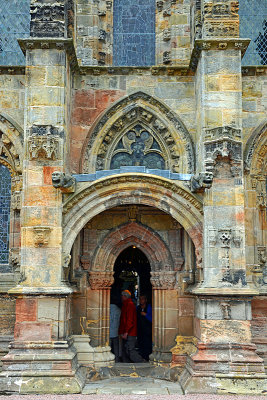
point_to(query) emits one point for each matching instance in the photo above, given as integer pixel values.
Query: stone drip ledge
(158, 172)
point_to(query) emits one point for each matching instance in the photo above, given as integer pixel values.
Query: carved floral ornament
(145, 132)
(100, 280)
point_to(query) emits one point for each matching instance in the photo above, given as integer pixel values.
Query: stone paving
(138, 386)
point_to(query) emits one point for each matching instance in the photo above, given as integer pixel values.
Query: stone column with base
(41, 358)
(226, 361)
(165, 315)
(98, 306)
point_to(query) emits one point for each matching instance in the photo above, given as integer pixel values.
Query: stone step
(144, 370)
(128, 385)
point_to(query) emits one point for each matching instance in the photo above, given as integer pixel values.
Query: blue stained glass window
(5, 196)
(14, 24)
(253, 25)
(134, 32)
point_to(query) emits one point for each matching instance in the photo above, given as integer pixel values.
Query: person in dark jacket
(144, 327)
(128, 329)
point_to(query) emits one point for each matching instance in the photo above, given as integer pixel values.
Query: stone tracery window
(138, 147)
(5, 197)
(134, 32)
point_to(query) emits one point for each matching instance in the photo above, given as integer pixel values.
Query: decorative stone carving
(259, 276)
(229, 150)
(226, 309)
(65, 182)
(133, 213)
(143, 117)
(47, 19)
(166, 35)
(201, 181)
(43, 147)
(66, 258)
(225, 237)
(222, 132)
(102, 58)
(14, 259)
(100, 280)
(164, 279)
(41, 235)
(16, 201)
(160, 5)
(9, 155)
(221, 19)
(102, 35)
(166, 57)
(45, 130)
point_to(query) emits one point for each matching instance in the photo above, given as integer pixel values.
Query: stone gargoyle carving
(65, 182)
(201, 181)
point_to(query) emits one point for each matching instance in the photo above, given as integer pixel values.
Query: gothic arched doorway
(132, 272)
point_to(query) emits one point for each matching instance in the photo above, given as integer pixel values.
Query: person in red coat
(128, 329)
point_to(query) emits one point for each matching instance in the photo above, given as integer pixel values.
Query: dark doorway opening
(132, 273)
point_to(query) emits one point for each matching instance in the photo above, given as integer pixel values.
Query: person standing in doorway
(115, 313)
(128, 329)
(144, 327)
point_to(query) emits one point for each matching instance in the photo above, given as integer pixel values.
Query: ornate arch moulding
(167, 129)
(95, 197)
(11, 144)
(256, 149)
(164, 268)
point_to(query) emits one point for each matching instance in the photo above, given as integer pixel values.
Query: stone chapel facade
(133, 135)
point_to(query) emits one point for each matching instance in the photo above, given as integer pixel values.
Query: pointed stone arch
(256, 150)
(164, 125)
(109, 192)
(11, 145)
(129, 234)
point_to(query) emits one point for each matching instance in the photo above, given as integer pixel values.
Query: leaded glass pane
(134, 32)
(14, 24)
(5, 196)
(253, 25)
(137, 148)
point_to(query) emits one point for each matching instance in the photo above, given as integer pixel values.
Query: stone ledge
(220, 44)
(225, 291)
(45, 291)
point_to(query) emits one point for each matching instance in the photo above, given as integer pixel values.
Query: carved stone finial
(201, 181)
(65, 182)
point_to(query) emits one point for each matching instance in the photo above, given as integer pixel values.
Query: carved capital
(100, 280)
(163, 279)
(44, 147)
(41, 235)
(65, 182)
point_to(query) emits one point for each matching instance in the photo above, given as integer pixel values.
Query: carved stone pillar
(165, 315)
(222, 325)
(42, 327)
(98, 308)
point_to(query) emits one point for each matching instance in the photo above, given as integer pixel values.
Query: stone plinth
(94, 357)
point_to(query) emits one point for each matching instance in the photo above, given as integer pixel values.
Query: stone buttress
(226, 360)
(41, 359)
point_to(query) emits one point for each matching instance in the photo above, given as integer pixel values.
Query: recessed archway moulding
(163, 267)
(96, 197)
(139, 126)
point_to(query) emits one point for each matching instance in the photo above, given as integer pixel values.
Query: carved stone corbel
(65, 182)
(200, 182)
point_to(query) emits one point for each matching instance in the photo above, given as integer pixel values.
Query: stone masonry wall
(93, 94)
